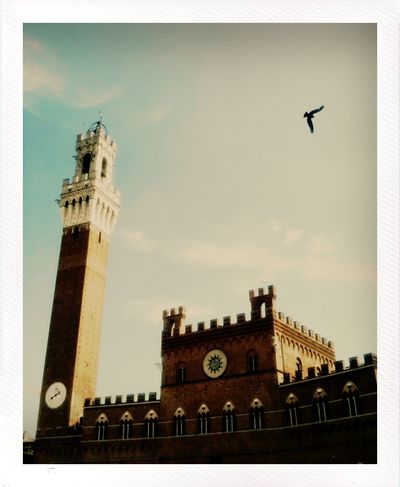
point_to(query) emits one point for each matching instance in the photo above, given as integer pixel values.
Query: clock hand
(56, 394)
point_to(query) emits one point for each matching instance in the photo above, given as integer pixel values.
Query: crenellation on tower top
(241, 318)
(174, 321)
(173, 325)
(213, 323)
(227, 320)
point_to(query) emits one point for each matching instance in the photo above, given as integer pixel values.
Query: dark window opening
(179, 425)
(181, 374)
(256, 418)
(87, 158)
(293, 415)
(252, 363)
(101, 431)
(352, 405)
(150, 427)
(203, 423)
(126, 429)
(104, 168)
(320, 410)
(228, 421)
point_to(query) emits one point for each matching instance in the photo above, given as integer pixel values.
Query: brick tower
(89, 207)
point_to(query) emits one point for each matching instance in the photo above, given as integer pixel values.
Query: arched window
(256, 415)
(104, 167)
(351, 399)
(87, 199)
(320, 403)
(126, 422)
(252, 362)
(101, 427)
(228, 418)
(179, 422)
(87, 158)
(292, 409)
(181, 374)
(66, 204)
(80, 200)
(203, 420)
(150, 424)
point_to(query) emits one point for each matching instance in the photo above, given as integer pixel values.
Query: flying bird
(310, 115)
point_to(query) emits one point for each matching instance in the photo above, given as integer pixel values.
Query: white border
(13, 14)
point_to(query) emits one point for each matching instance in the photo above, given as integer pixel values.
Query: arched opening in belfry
(104, 168)
(87, 158)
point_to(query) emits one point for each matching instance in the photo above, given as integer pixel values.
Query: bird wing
(317, 110)
(310, 124)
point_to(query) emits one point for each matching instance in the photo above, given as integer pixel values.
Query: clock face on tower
(214, 363)
(55, 395)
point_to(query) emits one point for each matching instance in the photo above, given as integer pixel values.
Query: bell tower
(89, 206)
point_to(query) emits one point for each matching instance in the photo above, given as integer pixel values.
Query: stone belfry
(89, 206)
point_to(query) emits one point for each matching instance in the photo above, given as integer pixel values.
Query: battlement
(201, 326)
(262, 306)
(100, 131)
(120, 399)
(81, 182)
(304, 330)
(261, 293)
(353, 363)
(174, 321)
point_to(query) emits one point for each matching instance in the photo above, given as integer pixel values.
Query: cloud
(318, 259)
(38, 79)
(138, 241)
(219, 254)
(44, 76)
(155, 114)
(32, 45)
(318, 244)
(194, 252)
(41, 74)
(96, 97)
(292, 235)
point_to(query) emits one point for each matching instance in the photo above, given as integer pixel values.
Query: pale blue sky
(223, 187)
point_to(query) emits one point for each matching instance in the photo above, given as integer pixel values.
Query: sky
(223, 187)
